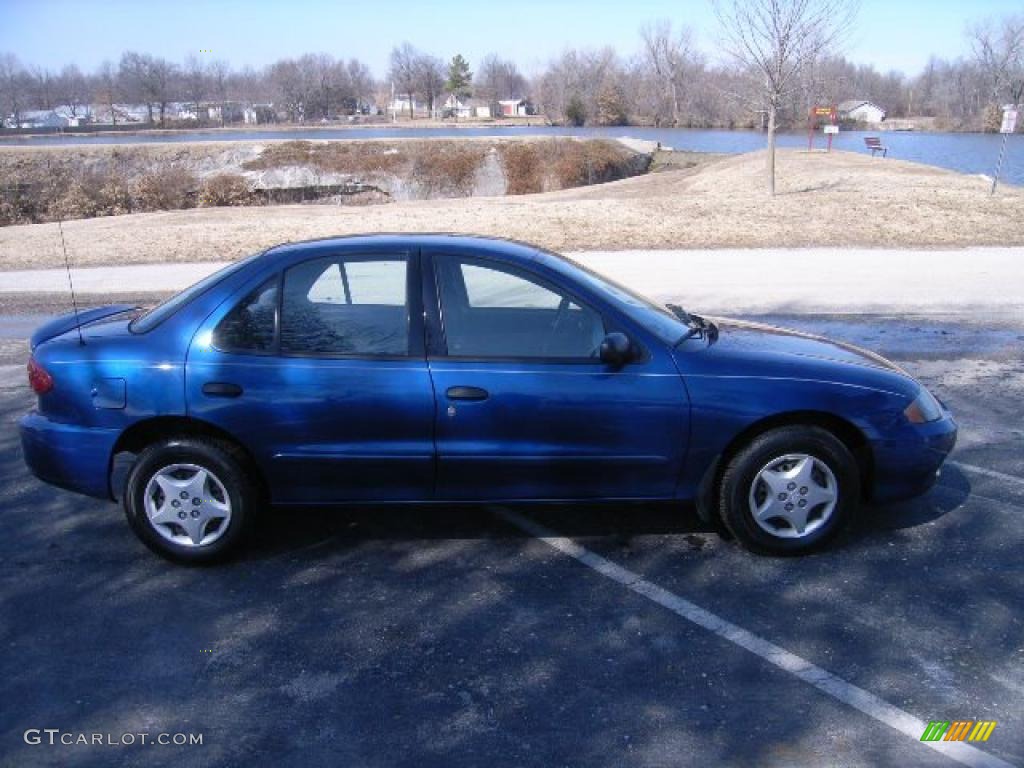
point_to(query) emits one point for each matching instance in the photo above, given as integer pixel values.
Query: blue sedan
(440, 368)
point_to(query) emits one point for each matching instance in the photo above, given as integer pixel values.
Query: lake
(964, 152)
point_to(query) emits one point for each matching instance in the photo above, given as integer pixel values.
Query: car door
(526, 409)
(319, 371)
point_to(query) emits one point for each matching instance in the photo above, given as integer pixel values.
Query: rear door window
(338, 306)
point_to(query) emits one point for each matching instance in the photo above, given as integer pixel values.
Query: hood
(114, 316)
(738, 339)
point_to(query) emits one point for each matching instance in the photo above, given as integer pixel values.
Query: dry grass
(826, 200)
(531, 167)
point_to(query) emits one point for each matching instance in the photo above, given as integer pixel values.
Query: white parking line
(988, 472)
(824, 681)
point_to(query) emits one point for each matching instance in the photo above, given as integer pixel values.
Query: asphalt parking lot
(456, 636)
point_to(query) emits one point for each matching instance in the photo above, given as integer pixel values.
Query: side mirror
(616, 349)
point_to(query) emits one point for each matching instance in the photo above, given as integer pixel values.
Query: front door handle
(467, 393)
(221, 389)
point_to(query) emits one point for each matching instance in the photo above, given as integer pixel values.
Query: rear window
(150, 319)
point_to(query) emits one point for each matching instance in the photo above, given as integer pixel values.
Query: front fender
(724, 406)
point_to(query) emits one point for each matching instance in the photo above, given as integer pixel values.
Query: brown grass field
(838, 199)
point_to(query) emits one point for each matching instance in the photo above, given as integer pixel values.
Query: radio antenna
(67, 262)
(71, 284)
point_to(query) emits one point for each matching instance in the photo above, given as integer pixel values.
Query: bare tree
(43, 88)
(292, 88)
(776, 40)
(73, 90)
(107, 88)
(13, 89)
(149, 79)
(572, 87)
(999, 51)
(403, 71)
(360, 82)
(218, 72)
(195, 78)
(430, 79)
(498, 79)
(671, 57)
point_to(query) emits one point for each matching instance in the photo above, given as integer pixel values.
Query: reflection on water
(965, 152)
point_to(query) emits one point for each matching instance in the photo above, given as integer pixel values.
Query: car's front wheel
(189, 499)
(790, 490)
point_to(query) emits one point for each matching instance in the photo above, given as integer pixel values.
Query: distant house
(228, 112)
(400, 105)
(75, 117)
(41, 118)
(257, 114)
(455, 107)
(512, 108)
(860, 111)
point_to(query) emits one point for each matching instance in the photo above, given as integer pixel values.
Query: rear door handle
(467, 393)
(221, 389)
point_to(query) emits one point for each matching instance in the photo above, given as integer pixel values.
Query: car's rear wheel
(790, 490)
(189, 499)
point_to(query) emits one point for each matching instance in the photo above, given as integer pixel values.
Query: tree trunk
(675, 104)
(771, 148)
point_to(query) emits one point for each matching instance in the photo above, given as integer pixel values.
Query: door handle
(467, 393)
(221, 389)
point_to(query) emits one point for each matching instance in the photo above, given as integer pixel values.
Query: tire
(769, 478)
(190, 499)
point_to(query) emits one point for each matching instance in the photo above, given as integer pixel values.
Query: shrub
(337, 157)
(361, 157)
(576, 111)
(166, 189)
(450, 170)
(71, 200)
(578, 163)
(992, 119)
(522, 166)
(113, 194)
(611, 106)
(277, 155)
(225, 189)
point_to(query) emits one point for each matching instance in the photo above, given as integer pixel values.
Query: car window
(250, 326)
(361, 282)
(346, 306)
(153, 317)
(491, 288)
(491, 310)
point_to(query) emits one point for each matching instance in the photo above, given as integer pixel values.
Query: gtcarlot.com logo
(54, 736)
(958, 730)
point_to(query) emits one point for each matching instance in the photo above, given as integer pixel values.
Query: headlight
(925, 408)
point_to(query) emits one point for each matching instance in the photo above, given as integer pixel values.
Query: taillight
(38, 378)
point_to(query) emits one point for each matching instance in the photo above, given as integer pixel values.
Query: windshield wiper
(679, 312)
(699, 327)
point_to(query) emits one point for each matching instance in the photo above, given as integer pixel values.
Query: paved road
(725, 281)
(454, 637)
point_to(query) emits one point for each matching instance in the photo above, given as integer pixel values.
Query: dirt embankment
(833, 200)
(41, 184)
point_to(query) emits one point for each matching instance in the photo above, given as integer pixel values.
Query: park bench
(875, 145)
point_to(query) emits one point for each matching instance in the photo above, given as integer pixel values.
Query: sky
(889, 34)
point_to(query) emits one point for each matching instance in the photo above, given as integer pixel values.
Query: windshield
(151, 318)
(657, 318)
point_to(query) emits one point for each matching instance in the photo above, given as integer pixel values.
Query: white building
(861, 111)
(512, 108)
(41, 118)
(400, 106)
(454, 107)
